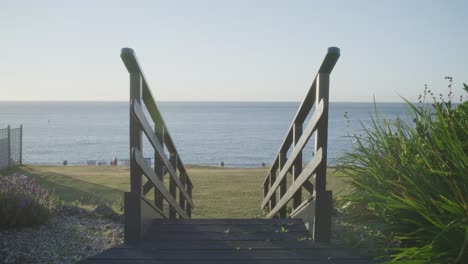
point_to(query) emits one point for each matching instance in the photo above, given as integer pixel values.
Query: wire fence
(11, 147)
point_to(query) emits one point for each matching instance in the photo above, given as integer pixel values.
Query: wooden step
(229, 254)
(240, 221)
(229, 241)
(228, 228)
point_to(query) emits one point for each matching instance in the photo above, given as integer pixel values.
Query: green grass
(218, 192)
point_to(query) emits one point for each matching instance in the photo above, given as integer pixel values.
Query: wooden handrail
(297, 151)
(327, 66)
(150, 134)
(139, 211)
(149, 173)
(133, 66)
(296, 139)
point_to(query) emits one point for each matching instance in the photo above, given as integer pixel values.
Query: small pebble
(63, 239)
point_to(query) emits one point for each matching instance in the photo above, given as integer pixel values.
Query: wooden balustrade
(140, 211)
(315, 209)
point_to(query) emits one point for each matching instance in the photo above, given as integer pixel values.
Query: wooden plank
(199, 236)
(282, 186)
(329, 62)
(254, 244)
(217, 261)
(327, 66)
(273, 195)
(305, 175)
(148, 186)
(182, 203)
(300, 116)
(222, 228)
(309, 186)
(132, 219)
(266, 187)
(136, 140)
(159, 168)
(323, 210)
(133, 216)
(322, 223)
(160, 212)
(308, 131)
(302, 205)
(172, 186)
(157, 183)
(297, 166)
(133, 66)
(189, 191)
(240, 221)
(230, 254)
(137, 112)
(321, 135)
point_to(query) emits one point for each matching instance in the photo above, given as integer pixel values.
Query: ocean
(240, 134)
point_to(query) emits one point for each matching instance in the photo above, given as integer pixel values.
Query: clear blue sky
(230, 50)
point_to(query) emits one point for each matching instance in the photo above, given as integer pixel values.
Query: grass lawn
(218, 192)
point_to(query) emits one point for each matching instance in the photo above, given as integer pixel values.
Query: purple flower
(22, 202)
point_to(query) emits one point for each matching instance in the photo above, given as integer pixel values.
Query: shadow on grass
(70, 189)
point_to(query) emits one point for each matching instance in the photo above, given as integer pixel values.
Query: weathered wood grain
(146, 128)
(140, 162)
(248, 241)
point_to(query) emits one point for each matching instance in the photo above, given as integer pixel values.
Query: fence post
(21, 145)
(282, 187)
(272, 182)
(183, 177)
(297, 169)
(133, 224)
(159, 168)
(322, 221)
(9, 145)
(189, 192)
(172, 184)
(266, 188)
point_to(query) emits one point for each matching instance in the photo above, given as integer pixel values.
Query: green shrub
(413, 176)
(22, 202)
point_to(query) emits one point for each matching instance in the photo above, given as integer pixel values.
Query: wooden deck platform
(229, 241)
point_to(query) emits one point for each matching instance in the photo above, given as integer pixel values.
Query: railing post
(189, 192)
(273, 196)
(323, 205)
(139, 211)
(172, 184)
(159, 169)
(283, 189)
(21, 145)
(297, 169)
(183, 176)
(9, 145)
(266, 188)
(133, 225)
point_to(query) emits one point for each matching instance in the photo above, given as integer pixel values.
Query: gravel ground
(64, 238)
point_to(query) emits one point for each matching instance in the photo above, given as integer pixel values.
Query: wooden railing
(317, 206)
(138, 209)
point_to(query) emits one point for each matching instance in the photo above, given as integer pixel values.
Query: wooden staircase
(158, 228)
(210, 241)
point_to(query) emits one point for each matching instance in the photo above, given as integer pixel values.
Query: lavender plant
(22, 202)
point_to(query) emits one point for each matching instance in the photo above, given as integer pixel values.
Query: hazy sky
(230, 50)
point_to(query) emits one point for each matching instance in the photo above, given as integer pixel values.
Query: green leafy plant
(413, 177)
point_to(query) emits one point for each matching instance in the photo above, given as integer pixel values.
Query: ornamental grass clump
(412, 176)
(22, 202)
